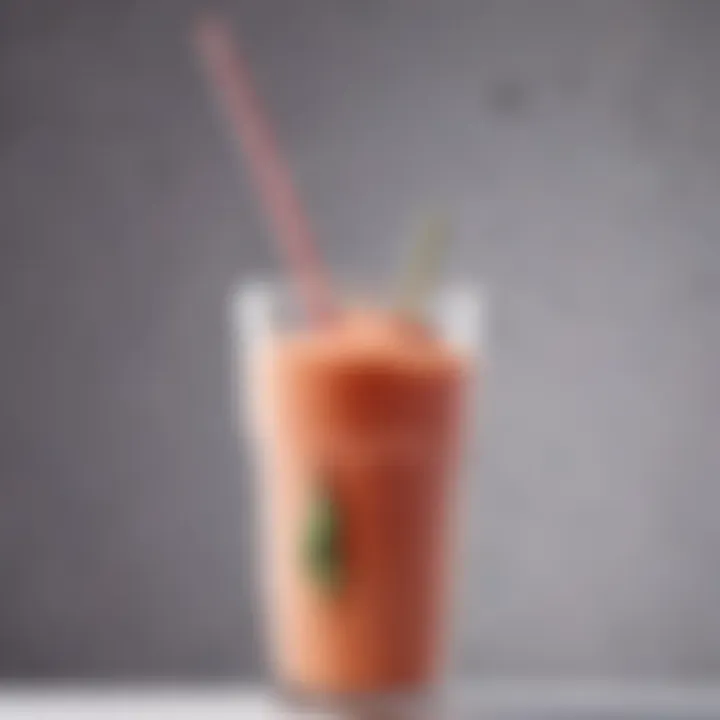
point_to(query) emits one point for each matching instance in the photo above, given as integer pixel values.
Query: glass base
(409, 704)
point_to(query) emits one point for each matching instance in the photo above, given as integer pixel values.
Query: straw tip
(209, 29)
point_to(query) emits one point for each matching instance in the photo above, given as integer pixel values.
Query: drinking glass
(358, 450)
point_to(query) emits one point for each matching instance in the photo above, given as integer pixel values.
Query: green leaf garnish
(321, 546)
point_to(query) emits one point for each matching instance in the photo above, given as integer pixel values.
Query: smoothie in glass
(359, 428)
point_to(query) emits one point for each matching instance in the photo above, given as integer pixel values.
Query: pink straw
(231, 80)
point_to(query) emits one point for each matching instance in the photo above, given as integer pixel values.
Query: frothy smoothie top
(372, 338)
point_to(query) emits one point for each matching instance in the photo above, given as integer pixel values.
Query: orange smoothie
(365, 413)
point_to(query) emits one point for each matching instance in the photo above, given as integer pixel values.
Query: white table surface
(481, 700)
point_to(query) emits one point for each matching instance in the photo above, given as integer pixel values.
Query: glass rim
(277, 288)
(254, 298)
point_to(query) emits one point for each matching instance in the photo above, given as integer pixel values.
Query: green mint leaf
(321, 546)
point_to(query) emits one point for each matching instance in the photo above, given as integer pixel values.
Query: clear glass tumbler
(357, 430)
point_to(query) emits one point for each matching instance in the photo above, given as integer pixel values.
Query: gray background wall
(577, 145)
